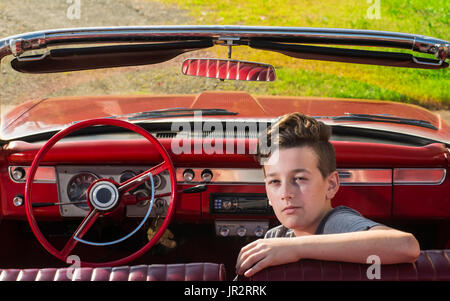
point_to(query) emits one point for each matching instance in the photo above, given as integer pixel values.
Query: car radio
(239, 203)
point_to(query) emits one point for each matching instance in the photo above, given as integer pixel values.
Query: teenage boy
(300, 184)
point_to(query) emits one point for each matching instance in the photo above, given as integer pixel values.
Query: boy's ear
(333, 184)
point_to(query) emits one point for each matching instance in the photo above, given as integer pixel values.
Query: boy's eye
(300, 179)
(274, 181)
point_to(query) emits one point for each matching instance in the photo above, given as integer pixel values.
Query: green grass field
(429, 88)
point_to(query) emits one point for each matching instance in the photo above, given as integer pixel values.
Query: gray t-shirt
(339, 220)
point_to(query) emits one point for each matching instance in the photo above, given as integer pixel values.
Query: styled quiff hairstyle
(298, 130)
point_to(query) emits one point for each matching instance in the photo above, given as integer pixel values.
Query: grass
(428, 88)
(147, 81)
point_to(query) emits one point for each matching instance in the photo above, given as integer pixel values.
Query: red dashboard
(379, 180)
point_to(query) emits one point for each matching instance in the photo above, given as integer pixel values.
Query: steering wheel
(104, 196)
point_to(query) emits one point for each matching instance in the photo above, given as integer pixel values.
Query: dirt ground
(31, 15)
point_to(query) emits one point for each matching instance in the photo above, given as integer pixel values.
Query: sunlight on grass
(292, 82)
(432, 18)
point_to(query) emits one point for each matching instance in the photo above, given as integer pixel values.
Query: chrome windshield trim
(138, 34)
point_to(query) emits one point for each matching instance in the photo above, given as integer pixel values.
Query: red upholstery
(431, 265)
(156, 272)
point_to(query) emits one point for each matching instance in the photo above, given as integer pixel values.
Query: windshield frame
(225, 35)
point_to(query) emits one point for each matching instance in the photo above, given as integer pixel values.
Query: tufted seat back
(430, 265)
(155, 272)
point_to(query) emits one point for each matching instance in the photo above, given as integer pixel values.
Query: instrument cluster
(74, 181)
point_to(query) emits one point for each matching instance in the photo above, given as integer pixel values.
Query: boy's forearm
(391, 246)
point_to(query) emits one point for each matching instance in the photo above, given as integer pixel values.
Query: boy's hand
(263, 253)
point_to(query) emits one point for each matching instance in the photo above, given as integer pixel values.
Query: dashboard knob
(188, 175)
(241, 231)
(18, 200)
(224, 231)
(207, 175)
(259, 231)
(142, 196)
(160, 206)
(18, 173)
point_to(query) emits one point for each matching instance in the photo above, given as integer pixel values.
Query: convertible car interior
(166, 187)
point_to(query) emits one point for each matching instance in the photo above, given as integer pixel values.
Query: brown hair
(297, 130)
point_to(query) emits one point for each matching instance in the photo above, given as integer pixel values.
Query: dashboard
(73, 182)
(380, 181)
(234, 200)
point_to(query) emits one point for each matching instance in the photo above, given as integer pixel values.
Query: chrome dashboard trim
(347, 176)
(424, 176)
(244, 176)
(366, 177)
(44, 174)
(225, 176)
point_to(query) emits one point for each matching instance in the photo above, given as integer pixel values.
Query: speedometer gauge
(78, 186)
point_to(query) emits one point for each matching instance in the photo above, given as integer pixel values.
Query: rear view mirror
(229, 69)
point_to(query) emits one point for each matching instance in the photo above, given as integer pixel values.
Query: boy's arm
(390, 245)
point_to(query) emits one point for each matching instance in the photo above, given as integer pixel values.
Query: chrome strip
(44, 174)
(225, 175)
(244, 176)
(347, 176)
(139, 34)
(429, 181)
(354, 177)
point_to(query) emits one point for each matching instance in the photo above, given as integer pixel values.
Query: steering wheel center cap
(104, 195)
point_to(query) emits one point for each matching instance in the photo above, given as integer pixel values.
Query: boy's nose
(287, 192)
(287, 196)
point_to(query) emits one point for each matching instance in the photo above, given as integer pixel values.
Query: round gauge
(126, 175)
(78, 186)
(158, 182)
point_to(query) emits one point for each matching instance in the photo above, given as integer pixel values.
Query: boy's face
(298, 193)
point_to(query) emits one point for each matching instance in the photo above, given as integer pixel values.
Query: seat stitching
(432, 265)
(415, 269)
(203, 271)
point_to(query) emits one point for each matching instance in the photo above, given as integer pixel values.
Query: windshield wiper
(381, 118)
(75, 59)
(176, 112)
(348, 55)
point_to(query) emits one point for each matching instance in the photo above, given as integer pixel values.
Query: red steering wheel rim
(83, 124)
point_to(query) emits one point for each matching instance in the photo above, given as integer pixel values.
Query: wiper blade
(346, 55)
(176, 112)
(76, 59)
(381, 118)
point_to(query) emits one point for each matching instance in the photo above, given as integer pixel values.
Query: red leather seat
(431, 265)
(155, 272)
